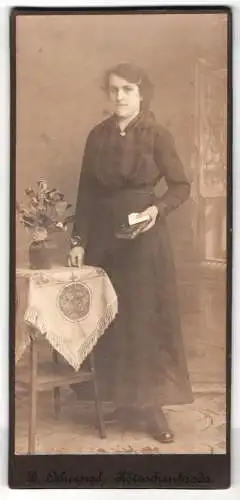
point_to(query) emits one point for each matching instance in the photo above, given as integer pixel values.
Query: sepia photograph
(121, 207)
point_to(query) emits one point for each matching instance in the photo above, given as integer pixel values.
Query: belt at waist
(119, 204)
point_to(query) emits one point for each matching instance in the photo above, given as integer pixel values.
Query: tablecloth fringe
(19, 351)
(33, 318)
(102, 325)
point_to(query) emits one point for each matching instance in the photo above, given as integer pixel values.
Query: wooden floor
(198, 428)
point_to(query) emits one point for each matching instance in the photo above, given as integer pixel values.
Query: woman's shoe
(158, 427)
(164, 437)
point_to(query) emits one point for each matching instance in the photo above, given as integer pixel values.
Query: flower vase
(39, 250)
(39, 255)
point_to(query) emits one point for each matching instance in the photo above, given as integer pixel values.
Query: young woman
(126, 155)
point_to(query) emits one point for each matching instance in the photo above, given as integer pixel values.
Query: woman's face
(125, 96)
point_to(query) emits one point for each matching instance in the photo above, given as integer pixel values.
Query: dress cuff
(162, 208)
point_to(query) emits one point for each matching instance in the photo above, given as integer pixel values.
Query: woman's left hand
(153, 213)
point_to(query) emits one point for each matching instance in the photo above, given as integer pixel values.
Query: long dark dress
(141, 357)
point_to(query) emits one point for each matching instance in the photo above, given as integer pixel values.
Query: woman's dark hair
(132, 74)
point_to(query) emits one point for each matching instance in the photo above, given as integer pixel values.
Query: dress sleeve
(84, 204)
(171, 168)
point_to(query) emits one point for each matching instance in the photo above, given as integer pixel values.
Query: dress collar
(143, 119)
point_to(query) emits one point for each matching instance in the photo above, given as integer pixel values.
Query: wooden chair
(52, 375)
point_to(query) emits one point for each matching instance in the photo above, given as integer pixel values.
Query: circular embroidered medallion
(74, 301)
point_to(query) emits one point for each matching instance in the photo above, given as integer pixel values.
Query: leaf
(68, 219)
(29, 192)
(27, 222)
(50, 193)
(34, 200)
(61, 207)
(42, 184)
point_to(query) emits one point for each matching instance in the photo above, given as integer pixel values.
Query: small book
(129, 232)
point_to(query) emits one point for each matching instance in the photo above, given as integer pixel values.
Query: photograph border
(169, 471)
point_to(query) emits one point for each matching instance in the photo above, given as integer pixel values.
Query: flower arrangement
(45, 211)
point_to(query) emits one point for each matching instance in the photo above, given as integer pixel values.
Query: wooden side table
(52, 375)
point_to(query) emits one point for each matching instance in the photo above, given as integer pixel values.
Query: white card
(135, 217)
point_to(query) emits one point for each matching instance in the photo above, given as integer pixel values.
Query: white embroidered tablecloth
(71, 307)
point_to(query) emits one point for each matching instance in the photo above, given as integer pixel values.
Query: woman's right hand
(76, 256)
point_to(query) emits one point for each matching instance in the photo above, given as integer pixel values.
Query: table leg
(56, 402)
(101, 424)
(33, 397)
(56, 390)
